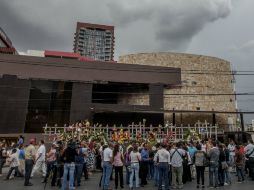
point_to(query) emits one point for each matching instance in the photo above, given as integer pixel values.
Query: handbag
(8, 161)
(224, 165)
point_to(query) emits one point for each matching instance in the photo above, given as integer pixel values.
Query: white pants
(193, 171)
(39, 165)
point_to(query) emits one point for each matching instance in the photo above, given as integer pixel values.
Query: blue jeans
(213, 174)
(163, 169)
(231, 160)
(128, 174)
(221, 176)
(78, 172)
(151, 170)
(2, 161)
(107, 170)
(68, 168)
(227, 175)
(156, 175)
(240, 173)
(134, 171)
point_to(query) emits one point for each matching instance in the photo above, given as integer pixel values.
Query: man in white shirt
(176, 155)
(249, 152)
(231, 148)
(40, 162)
(162, 157)
(107, 166)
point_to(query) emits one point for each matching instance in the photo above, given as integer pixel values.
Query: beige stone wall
(214, 78)
(133, 99)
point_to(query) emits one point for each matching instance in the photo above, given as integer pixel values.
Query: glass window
(49, 102)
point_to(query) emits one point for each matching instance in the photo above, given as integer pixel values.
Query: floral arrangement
(152, 138)
(192, 135)
(80, 131)
(120, 136)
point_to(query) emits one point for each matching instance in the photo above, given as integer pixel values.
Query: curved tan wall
(214, 78)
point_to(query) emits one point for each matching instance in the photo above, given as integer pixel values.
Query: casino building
(62, 88)
(52, 87)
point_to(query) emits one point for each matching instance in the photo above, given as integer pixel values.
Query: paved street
(92, 183)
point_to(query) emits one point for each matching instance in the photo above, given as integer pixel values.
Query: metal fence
(168, 131)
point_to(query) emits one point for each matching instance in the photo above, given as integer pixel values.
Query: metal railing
(169, 131)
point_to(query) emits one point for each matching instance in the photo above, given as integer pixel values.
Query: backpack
(200, 158)
(127, 159)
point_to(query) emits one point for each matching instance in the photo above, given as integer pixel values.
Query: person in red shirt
(239, 162)
(242, 149)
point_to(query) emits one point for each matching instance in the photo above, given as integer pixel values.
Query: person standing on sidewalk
(162, 158)
(127, 163)
(249, 153)
(213, 155)
(118, 165)
(3, 155)
(239, 161)
(222, 165)
(135, 158)
(199, 161)
(192, 150)
(231, 148)
(21, 140)
(228, 180)
(68, 158)
(51, 164)
(21, 157)
(144, 165)
(79, 165)
(40, 162)
(107, 166)
(177, 155)
(29, 161)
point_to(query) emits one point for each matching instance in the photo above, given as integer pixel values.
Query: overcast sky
(219, 28)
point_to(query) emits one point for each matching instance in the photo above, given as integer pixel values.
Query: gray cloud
(47, 24)
(247, 47)
(174, 23)
(143, 25)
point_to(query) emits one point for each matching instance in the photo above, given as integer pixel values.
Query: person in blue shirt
(21, 159)
(144, 165)
(192, 150)
(79, 163)
(21, 140)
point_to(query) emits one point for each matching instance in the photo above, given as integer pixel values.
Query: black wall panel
(14, 96)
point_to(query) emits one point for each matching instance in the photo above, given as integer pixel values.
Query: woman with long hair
(222, 166)
(199, 160)
(135, 158)
(118, 165)
(127, 163)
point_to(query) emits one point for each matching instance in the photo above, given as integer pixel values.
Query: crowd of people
(165, 165)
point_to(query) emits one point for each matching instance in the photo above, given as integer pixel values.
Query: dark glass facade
(35, 91)
(49, 102)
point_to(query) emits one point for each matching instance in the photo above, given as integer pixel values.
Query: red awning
(48, 53)
(7, 50)
(86, 59)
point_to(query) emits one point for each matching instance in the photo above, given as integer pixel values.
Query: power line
(151, 70)
(137, 93)
(138, 110)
